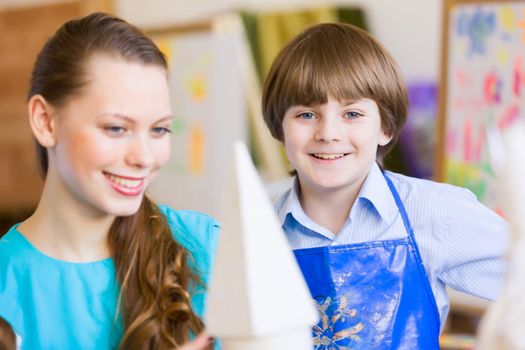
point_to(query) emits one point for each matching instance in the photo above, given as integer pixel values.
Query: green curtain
(269, 32)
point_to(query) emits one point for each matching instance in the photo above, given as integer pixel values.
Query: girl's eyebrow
(117, 115)
(165, 119)
(131, 120)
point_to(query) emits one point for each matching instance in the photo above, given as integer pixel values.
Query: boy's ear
(42, 121)
(384, 139)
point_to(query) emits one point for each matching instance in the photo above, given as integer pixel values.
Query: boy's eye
(161, 130)
(306, 115)
(352, 115)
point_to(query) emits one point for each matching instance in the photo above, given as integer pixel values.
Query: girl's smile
(113, 138)
(128, 186)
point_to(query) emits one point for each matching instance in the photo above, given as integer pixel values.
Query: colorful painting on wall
(484, 88)
(209, 113)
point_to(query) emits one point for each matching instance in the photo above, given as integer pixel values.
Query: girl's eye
(353, 115)
(115, 130)
(161, 130)
(307, 115)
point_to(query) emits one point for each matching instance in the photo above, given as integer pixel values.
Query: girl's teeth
(125, 182)
(329, 156)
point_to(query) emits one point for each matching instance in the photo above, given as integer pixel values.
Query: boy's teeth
(329, 156)
(125, 182)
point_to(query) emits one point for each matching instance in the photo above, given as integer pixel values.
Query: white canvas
(298, 340)
(503, 326)
(256, 288)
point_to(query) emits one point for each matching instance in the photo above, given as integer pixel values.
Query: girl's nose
(139, 152)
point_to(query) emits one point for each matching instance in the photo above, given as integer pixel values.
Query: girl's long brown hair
(7, 336)
(152, 268)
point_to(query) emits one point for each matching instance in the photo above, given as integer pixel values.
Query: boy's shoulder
(409, 186)
(432, 203)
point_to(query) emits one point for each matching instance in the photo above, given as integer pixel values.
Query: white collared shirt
(462, 242)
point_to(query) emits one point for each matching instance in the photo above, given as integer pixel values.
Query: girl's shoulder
(197, 232)
(189, 220)
(191, 227)
(8, 306)
(13, 250)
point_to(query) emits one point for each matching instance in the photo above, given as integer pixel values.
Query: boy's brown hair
(341, 61)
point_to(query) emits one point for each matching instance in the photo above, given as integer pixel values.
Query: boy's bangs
(312, 79)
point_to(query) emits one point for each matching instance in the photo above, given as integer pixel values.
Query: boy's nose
(328, 131)
(139, 153)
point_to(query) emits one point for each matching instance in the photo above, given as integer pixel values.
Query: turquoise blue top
(53, 304)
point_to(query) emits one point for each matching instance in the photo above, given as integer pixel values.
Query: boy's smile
(329, 156)
(333, 146)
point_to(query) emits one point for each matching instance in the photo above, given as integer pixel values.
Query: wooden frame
(447, 86)
(24, 32)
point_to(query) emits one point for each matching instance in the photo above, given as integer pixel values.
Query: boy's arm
(476, 239)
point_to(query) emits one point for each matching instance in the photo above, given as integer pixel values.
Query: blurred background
(462, 61)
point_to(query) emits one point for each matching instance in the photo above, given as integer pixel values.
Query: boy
(377, 249)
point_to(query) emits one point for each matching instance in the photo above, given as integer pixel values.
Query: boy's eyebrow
(312, 105)
(350, 101)
(345, 102)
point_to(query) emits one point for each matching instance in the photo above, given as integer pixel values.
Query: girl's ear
(42, 121)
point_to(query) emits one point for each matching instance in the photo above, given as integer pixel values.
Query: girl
(98, 265)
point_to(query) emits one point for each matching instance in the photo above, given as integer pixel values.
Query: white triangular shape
(256, 288)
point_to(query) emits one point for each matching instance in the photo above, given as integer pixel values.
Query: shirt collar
(375, 190)
(291, 204)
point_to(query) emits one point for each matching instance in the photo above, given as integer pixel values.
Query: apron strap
(410, 231)
(400, 206)
(404, 216)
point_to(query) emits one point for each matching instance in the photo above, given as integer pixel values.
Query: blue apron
(372, 295)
